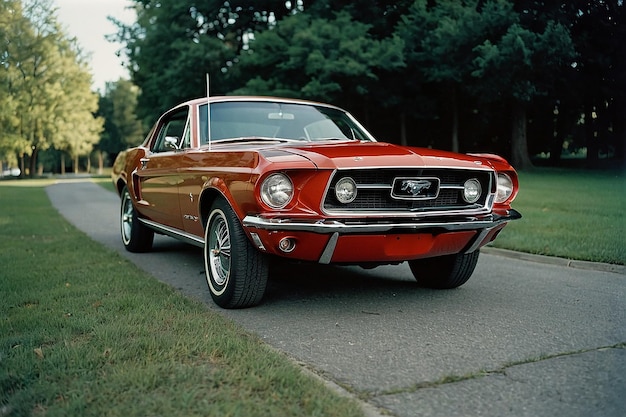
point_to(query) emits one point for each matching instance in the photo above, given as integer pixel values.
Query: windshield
(246, 119)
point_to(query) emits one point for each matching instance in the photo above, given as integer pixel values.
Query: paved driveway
(521, 338)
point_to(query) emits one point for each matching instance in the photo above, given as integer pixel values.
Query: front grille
(375, 188)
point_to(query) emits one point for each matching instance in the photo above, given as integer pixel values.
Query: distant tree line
(516, 77)
(46, 102)
(520, 78)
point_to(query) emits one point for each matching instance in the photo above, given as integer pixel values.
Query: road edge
(553, 260)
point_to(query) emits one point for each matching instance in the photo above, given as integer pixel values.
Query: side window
(174, 132)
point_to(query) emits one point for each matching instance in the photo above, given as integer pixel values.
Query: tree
(332, 60)
(122, 128)
(175, 43)
(396, 89)
(465, 66)
(599, 30)
(519, 66)
(479, 48)
(380, 15)
(440, 38)
(25, 58)
(78, 127)
(10, 141)
(48, 84)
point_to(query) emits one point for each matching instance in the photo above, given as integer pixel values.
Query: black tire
(135, 236)
(236, 272)
(444, 272)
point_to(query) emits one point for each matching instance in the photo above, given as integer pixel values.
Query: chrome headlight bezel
(346, 190)
(472, 190)
(505, 188)
(277, 190)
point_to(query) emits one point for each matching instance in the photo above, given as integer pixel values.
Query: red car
(298, 180)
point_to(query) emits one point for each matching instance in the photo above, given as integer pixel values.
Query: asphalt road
(521, 338)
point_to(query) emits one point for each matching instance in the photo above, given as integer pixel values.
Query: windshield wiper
(252, 139)
(333, 139)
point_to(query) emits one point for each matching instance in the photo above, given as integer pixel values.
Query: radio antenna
(208, 111)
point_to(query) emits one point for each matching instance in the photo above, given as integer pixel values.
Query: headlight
(505, 188)
(472, 190)
(277, 190)
(345, 190)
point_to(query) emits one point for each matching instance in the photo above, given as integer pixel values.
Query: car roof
(233, 99)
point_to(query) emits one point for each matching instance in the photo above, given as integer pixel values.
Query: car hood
(347, 155)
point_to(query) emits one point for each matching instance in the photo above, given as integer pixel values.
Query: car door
(158, 174)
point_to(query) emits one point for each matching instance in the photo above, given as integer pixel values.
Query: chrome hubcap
(219, 250)
(127, 218)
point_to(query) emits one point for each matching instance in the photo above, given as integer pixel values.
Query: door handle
(144, 162)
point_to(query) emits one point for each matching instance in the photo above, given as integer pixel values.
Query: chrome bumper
(483, 226)
(354, 226)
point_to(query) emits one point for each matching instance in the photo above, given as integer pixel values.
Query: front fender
(238, 193)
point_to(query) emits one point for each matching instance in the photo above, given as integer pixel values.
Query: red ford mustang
(272, 177)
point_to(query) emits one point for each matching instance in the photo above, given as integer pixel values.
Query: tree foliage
(440, 40)
(600, 74)
(45, 85)
(332, 60)
(478, 71)
(522, 65)
(122, 127)
(481, 49)
(173, 44)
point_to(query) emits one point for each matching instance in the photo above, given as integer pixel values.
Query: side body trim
(175, 233)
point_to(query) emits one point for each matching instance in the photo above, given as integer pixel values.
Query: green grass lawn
(83, 332)
(573, 214)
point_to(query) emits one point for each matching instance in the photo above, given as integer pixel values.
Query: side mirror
(171, 142)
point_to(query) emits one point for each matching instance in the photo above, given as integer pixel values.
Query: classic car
(254, 179)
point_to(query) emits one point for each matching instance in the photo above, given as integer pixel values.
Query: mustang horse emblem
(415, 187)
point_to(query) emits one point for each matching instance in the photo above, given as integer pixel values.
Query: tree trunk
(519, 141)
(455, 120)
(591, 134)
(33, 162)
(619, 129)
(62, 163)
(558, 136)
(100, 162)
(22, 172)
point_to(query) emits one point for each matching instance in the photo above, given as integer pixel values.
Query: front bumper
(484, 228)
(354, 226)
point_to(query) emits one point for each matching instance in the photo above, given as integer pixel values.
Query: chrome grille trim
(375, 189)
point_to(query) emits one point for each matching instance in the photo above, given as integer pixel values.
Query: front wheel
(236, 272)
(444, 272)
(135, 236)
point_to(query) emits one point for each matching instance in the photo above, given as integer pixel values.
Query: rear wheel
(444, 272)
(135, 236)
(236, 272)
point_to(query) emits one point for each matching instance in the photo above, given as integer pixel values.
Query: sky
(87, 21)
